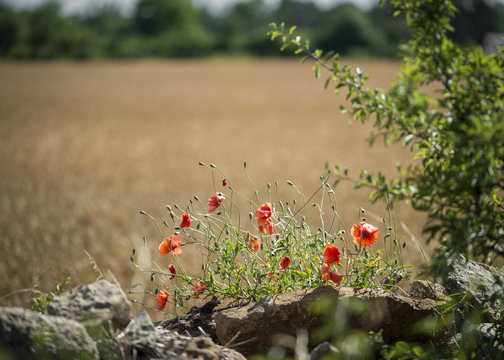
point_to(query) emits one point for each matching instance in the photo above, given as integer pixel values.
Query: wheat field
(86, 146)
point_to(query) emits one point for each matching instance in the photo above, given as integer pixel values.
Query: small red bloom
(254, 243)
(331, 254)
(264, 219)
(364, 234)
(185, 220)
(328, 275)
(284, 262)
(224, 182)
(215, 201)
(171, 243)
(198, 290)
(161, 299)
(172, 270)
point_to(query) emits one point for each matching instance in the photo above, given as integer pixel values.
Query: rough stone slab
(483, 282)
(94, 305)
(25, 334)
(422, 289)
(259, 323)
(142, 340)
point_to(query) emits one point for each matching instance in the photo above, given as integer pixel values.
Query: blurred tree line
(176, 28)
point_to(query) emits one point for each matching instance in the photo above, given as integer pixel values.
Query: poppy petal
(331, 254)
(364, 234)
(161, 299)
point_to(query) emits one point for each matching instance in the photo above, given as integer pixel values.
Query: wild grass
(85, 146)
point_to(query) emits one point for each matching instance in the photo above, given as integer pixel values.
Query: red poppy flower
(255, 243)
(161, 299)
(284, 262)
(171, 243)
(331, 254)
(185, 220)
(198, 290)
(264, 220)
(215, 201)
(224, 182)
(328, 275)
(364, 234)
(172, 270)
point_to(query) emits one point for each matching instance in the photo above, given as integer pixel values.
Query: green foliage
(154, 17)
(456, 136)
(41, 302)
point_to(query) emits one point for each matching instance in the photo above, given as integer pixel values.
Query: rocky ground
(94, 322)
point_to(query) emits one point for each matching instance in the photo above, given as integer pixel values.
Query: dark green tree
(153, 17)
(350, 31)
(9, 30)
(44, 27)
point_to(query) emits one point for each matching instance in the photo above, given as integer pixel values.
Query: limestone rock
(198, 321)
(143, 340)
(25, 334)
(488, 347)
(483, 282)
(422, 289)
(323, 349)
(256, 325)
(95, 305)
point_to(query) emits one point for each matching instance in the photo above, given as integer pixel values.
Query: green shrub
(456, 136)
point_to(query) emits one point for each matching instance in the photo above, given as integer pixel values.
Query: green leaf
(327, 82)
(402, 346)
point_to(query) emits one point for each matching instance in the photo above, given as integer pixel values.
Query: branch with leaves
(456, 136)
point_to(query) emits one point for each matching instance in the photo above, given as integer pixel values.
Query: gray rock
(141, 339)
(490, 342)
(96, 305)
(25, 334)
(198, 321)
(482, 341)
(257, 325)
(323, 349)
(482, 282)
(422, 289)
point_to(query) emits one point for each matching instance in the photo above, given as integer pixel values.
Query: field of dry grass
(86, 146)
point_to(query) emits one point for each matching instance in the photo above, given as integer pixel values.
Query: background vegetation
(175, 28)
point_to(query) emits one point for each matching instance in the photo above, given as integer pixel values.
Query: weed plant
(252, 248)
